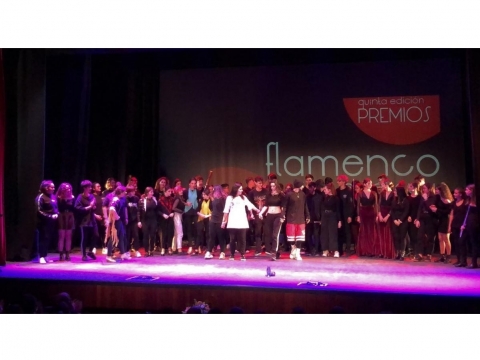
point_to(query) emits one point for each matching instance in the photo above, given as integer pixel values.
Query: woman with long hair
(115, 232)
(85, 205)
(367, 206)
(133, 220)
(217, 234)
(66, 220)
(399, 214)
(178, 208)
(355, 226)
(235, 219)
(110, 186)
(444, 207)
(158, 191)
(457, 217)
(167, 214)
(160, 186)
(330, 221)
(426, 222)
(414, 203)
(274, 213)
(204, 213)
(471, 229)
(133, 181)
(384, 248)
(98, 214)
(47, 214)
(147, 220)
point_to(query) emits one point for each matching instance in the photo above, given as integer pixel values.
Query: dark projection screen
(401, 118)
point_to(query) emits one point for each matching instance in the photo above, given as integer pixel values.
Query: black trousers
(460, 245)
(132, 233)
(251, 232)
(412, 236)
(203, 233)
(149, 228)
(272, 228)
(308, 237)
(473, 234)
(316, 237)
(344, 236)
(329, 234)
(426, 235)
(99, 234)
(167, 230)
(258, 226)
(87, 239)
(190, 228)
(237, 240)
(399, 234)
(46, 230)
(217, 234)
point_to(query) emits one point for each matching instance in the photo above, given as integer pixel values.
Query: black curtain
(473, 109)
(75, 117)
(68, 118)
(24, 163)
(3, 243)
(102, 116)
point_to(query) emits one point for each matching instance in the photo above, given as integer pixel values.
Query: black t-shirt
(258, 198)
(132, 206)
(217, 206)
(459, 213)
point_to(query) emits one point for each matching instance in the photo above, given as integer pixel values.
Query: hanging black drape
(102, 119)
(68, 114)
(473, 108)
(3, 240)
(96, 116)
(25, 107)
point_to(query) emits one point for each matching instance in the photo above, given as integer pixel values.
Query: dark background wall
(85, 113)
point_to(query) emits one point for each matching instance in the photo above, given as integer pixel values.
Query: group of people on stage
(389, 222)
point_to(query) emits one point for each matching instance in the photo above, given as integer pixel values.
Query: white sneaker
(325, 253)
(222, 256)
(297, 254)
(336, 254)
(208, 255)
(125, 256)
(42, 260)
(110, 259)
(137, 254)
(292, 252)
(104, 251)
(247, 251)
(94, 251)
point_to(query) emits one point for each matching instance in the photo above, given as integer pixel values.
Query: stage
(316, 284)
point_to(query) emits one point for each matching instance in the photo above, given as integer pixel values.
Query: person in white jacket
(235, 219)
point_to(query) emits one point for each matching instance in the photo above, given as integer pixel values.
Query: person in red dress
(367, 206)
